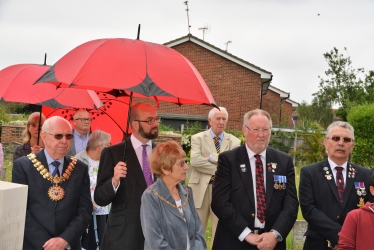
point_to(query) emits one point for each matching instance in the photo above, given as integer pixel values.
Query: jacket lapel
(269, 176)
(244, 168)
(330, 181)
(209, 141)
(349, 183)
(163, 191)
(225, 142)
(133, 165)
(41, 157)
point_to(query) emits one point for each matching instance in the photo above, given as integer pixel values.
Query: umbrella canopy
(16, 85)
(109, 118)
(143, 68)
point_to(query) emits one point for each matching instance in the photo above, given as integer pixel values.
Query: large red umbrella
(132, 67)
(109, 118)
(144, 68)
(16, 85)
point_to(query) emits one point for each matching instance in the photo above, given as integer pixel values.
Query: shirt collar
(50, 159)
(333, 164)
(252, 154)
(136, 143)
(77, 135)
(213, 134)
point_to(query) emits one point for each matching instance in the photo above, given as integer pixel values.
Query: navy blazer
(234, 201)
(123, 230)
(45, 218)
(319, 201)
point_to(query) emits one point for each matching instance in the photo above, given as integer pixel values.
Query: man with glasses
(254, 193)
(205, 149)
(123, 183)
(59, 204)
(82, 123)
(331, 188)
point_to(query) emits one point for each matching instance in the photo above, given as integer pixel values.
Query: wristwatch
(277, 235)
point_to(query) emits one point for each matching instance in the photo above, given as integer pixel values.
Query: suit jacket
(164, 226)
(45, 218)
(234, 201)
(202, 145)
(124, 229)
(320, 204)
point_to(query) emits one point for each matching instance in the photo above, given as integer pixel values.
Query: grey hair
(251, 113)
(98, 138)
(342, 125)
(214, 110)
(52, 120)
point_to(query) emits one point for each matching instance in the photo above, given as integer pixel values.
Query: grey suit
(163, 225)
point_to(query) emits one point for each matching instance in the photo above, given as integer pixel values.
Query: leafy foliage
(313, 151)
(361, 117)
(317, 115)
(343, 84)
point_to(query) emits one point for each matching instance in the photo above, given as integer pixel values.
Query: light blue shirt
(50, 160)
(220, 140)
(80, 142)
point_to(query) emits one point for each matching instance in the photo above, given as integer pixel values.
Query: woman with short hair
(168, 215)
(97, 141)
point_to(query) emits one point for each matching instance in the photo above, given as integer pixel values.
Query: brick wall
(12, 133)
(233, 86)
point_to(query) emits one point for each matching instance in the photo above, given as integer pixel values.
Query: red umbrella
(16, 85)
(108, 118)
(145, 68)
(133, 67)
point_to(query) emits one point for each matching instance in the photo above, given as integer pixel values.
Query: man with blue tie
(205, 149)
(123, 184)
(59, 202)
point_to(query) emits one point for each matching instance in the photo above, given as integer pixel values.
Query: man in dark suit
(123, 184)
(254, 193)
(331, 188)
(59, 203)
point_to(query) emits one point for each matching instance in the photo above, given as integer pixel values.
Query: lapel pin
(243, 168)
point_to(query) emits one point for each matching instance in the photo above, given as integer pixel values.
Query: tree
(320, 111)
(345, 85)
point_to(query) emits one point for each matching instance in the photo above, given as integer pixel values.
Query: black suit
(320, 204)
(123, 230)
(234, 201)
(45, 219)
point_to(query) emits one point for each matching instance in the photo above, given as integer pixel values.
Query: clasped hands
(262, 241)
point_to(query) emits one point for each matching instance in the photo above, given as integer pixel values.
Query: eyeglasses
(84, 119)
(181, 164)
(60, 136)
(337, 139)
(258, 130)
(150, 121)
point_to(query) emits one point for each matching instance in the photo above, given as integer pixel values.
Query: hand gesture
(120, 171)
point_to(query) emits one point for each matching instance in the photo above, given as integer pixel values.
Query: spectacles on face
(258, 130)
(150, 121)
(182, 163)
(84, 119)
(337, 139)
(60, 136)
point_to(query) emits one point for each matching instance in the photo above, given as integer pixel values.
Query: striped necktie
(217, 143)
(56, 164)
(260, 190)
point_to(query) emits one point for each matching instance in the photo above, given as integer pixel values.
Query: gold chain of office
(169, 203)
(55, 192)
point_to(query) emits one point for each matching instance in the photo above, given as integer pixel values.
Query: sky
(285, 37)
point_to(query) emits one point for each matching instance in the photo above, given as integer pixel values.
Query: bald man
(59, 203)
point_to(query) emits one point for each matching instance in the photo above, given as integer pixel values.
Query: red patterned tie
(340, 183)
(260, 190)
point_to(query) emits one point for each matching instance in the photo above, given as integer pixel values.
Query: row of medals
(55, 192)
(351, 174)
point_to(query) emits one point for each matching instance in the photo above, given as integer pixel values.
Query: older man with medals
(331, 188)
(59, 203)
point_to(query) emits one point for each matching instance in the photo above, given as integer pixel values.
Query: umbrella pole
(39, 126)
(127, 127)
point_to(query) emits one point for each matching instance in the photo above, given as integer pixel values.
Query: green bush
(362, 119)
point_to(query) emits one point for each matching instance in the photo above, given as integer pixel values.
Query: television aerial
(206, 29)
(227, 44)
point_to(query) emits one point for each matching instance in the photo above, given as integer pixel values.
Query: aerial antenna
(227, 44)
(188, 18)
(205, 29)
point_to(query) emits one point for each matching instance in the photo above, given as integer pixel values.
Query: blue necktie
(56, 171)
